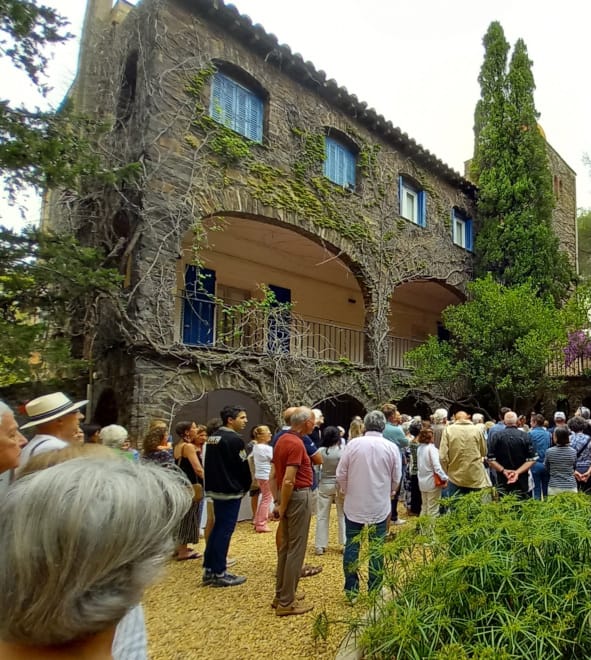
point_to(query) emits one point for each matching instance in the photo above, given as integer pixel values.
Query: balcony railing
(580, 367)
(275, 331)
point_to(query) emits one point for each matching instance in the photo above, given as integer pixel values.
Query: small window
(413, 202)
(461, 226)
(237, 107)
(340, 163)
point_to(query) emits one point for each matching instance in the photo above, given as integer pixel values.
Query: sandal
(193, 555)
(308, 571)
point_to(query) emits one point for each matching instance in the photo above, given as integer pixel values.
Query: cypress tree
(515, 242)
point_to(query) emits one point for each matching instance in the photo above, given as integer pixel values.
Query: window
(236, 107)
(413, 201)
(461, 226)
(340, 163)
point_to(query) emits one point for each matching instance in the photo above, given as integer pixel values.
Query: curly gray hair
(80, 542)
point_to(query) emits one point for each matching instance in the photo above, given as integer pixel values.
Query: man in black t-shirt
(511, 453)
(227, 479)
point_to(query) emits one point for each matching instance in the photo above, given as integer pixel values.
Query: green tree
(515, 241)
(51, 289)
(501, 342)
(584, 245)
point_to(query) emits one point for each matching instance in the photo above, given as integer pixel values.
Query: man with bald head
(292, 471)
(461, 453)
(11, 442)
(511, 453)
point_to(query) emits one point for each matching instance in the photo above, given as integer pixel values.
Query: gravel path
(186, 620)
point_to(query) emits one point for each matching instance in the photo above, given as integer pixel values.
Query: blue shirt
(542, 440)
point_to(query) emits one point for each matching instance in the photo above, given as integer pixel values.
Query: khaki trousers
(294, 528)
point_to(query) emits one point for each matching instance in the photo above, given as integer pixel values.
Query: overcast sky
(417, 62)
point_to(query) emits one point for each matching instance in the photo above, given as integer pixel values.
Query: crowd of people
(385, 463)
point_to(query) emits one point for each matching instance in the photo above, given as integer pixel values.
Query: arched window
(340, 163)
(237, 107)
(127, 90)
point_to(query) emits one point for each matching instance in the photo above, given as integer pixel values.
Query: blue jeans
(376, 534)
(216, 550)
(541, 478)
(453, 489)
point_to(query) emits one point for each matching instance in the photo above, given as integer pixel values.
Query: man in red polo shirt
(293, 474)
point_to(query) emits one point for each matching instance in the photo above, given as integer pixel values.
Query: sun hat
(49, 407)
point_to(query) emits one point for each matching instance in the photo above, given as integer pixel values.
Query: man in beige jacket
(461, 453)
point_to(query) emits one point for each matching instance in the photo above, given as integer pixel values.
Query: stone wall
(564, 216)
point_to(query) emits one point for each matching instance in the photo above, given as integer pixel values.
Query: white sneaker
(399, 522)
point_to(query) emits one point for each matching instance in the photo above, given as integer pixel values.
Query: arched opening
(127, 91)
(415, 314)
(412, 405)
(107, 410)
(339, 410)
(208, 407)
(243, 259)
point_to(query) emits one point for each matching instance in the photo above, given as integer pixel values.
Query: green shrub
(489, 580)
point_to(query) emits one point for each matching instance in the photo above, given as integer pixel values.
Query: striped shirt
(560, 463)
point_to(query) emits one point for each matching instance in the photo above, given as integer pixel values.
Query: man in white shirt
(368, 473)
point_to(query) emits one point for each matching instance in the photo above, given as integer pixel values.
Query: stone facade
(149, 71)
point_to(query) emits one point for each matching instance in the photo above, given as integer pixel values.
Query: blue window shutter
(198, 306)
(422, 210)
(216, 103)
(469, 245)
(330, 159)
(351, 165)
(400, 192)
(236, 107)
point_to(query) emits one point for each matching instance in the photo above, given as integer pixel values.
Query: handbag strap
(582, 449)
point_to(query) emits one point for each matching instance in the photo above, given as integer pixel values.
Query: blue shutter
(198, 306)
(236, 107)
(254, 118)
(400, 193)
(453, 225)
(351, 163)
(330, 168)
(469, 245)
(422, 208)
(278, 338)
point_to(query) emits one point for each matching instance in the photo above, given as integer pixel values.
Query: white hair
(375, 420)
(440, 415)
(113, 436)
(80, 542)
(299, 416)
(478, 418)
(317, 413)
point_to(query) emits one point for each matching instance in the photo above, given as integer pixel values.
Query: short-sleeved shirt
(290, 450)
(512, 448)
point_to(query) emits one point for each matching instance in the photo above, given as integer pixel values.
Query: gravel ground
(186, 620)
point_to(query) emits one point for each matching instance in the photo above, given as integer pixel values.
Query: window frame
(408, 186)
(460, 216)
(237, 106)
(336, 149)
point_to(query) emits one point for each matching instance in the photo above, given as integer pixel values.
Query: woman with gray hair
(79, 544)
(115, 437)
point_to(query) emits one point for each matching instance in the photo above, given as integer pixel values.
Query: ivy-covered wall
(154, 72)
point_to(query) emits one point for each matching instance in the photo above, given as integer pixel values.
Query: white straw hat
(49, 407)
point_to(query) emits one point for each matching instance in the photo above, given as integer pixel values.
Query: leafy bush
(489, 580)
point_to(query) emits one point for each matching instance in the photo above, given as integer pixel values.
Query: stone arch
(325, 237)
(107, 409)
(339, 409)
(415, 308)
(208, 406)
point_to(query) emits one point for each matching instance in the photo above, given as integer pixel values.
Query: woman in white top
(262, 454)
(427, 464)
(327, 489)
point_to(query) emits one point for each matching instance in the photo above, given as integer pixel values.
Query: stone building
(282, 242)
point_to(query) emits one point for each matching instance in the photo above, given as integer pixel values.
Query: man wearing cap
(56, 417)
